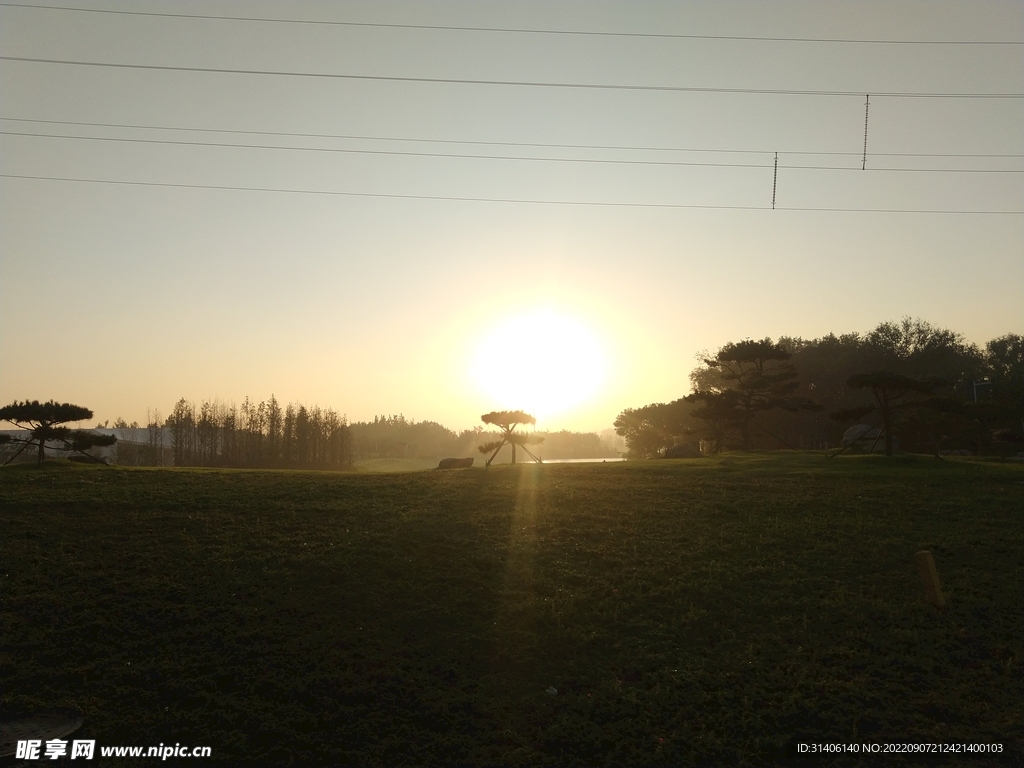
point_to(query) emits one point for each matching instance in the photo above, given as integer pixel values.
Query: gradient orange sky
(126, 297)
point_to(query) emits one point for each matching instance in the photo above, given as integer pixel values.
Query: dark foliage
(992, 377)
(259, 435)
(894, 395)
(652, 429)
(41, 420)
(507, 421)
(396, 437)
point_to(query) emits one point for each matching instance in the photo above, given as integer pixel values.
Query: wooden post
(930, 577)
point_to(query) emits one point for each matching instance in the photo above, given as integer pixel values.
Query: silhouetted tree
(182, 424)
(42, 420)
(206, 434)
(228, 423)
(653, 428)
(507, 421)
(154, 438)
(893, 393)
(288, 435)
(128, 453)
(259, 435)
(723, 415)
(301, 435)
(1004, 369)
(910, 347)
(253, 425)
(757, 376)
(274, 426)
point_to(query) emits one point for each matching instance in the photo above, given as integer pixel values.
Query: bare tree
(288, 436)
(182, 423)
(274, 427)
(228, 435)
(253, 426)
(207, 427)
(155, 438)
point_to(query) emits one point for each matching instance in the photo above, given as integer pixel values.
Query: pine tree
(42, 420)
(507, 421)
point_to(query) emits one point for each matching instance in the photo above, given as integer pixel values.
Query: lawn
(710, 611)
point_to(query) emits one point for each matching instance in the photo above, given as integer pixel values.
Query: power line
(515, 30)
(455, 155)
(529, 201)
(515, 83)
(399, 153)
(351, 137)
(355, 137)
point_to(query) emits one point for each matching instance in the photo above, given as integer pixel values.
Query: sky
(389, 241)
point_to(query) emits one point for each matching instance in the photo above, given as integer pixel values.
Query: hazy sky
(122, 297)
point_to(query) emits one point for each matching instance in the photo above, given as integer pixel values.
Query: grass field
(396, 465)
(713, 611)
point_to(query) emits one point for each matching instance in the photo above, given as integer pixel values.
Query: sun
(543, 362)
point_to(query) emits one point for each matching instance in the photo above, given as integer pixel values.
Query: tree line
(258, 435)
(395, 437)
(926, 386)
(267, 435)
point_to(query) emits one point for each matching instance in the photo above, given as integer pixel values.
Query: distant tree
(274, 424)
(986, 417)
(910, 347)
(288, 436)
(154, 438)
(920, 350)
(565, 444)
(758, 377)
(507, 421)
(338, 439)
(649, 430)
(914, 339)
(1004, 369)
(253, 420)
(722, 414)
(894, 395)
(42, 420)
(128, 453)
(302, 441)
(182, 424)
(228, 418)
(207, 429)
(124, 428)
(259, 435)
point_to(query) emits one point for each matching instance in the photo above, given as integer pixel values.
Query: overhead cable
(512, 30)
(357, 137)
(513, 83)
(456, 155)
(526, 201)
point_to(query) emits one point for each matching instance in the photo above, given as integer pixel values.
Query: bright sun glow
(542, 362)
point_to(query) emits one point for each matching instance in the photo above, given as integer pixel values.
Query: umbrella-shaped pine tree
(507, 421)
(41, 420)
